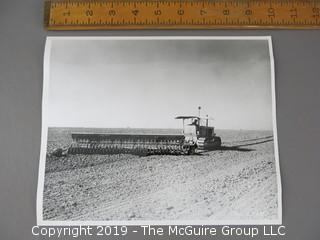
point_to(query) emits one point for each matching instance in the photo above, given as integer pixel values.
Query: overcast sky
(146, 83)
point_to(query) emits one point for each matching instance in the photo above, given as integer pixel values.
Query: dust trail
(255, 143)
(254, 139)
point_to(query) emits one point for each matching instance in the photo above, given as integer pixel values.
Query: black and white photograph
(159, 130)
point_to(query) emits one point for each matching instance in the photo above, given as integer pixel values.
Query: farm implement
(195, 137)
(142, 144)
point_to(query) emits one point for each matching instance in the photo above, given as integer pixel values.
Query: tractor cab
(197, 130)
(196, 127)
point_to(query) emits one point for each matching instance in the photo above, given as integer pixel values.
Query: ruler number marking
(271, 12)
(226, 12)
(293, 12)
(248, 12)
(89, 13)
(316, 12)
(157, 12)
(66, 14)
(180, 12)
(112, 12)
(135, 12)
(203, 12)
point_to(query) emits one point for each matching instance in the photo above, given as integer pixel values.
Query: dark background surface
(22, 40)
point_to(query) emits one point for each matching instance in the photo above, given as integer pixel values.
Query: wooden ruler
(183, 14)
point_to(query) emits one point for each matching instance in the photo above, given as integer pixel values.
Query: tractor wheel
(191, 150)
(217, 141)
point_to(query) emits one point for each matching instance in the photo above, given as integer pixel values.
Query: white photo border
(44, 135)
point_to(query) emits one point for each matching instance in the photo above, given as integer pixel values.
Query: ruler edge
(47, 12)
(47, 26)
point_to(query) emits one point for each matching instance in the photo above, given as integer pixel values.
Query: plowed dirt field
(236, 182)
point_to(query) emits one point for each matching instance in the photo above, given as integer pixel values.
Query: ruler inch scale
(181, 14)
